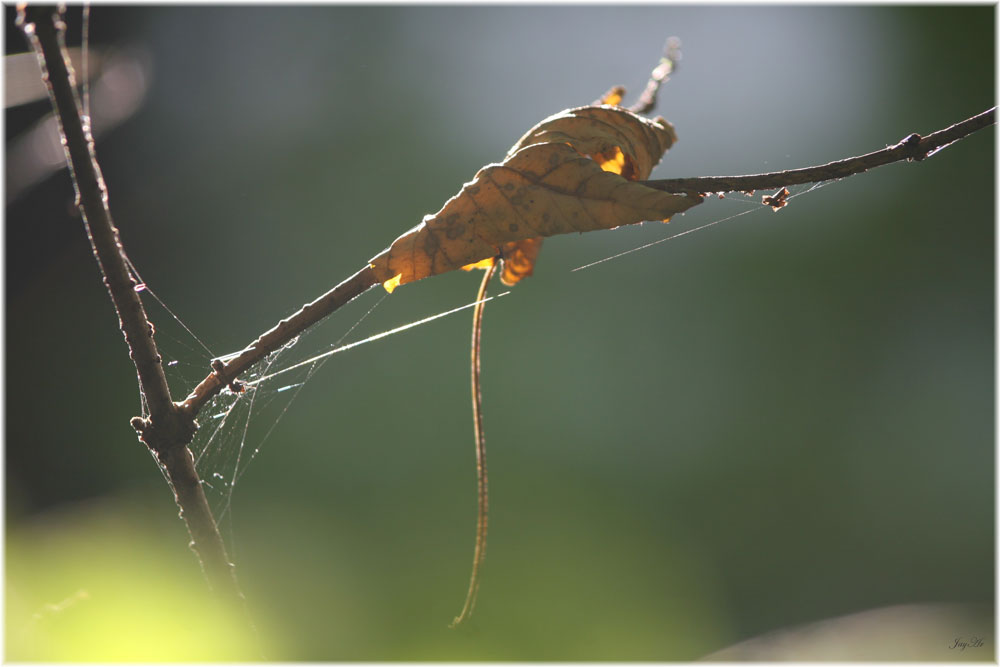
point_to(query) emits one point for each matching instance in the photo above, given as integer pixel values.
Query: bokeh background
(784, 418)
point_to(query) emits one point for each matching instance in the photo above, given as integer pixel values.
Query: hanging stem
(483, 490)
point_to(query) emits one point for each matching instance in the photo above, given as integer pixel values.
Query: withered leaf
(573, 172)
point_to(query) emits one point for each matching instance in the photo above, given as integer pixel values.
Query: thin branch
(913, 147)
(206, 540)
(46, 37)
(224, 373)
(168, 430)
(661, 74)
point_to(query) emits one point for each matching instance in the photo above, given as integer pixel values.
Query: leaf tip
(613, 97)
(392, 283)
(481, 264)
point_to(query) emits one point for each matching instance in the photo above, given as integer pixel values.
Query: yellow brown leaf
(573, 172)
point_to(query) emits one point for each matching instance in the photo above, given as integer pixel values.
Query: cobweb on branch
(236, 424)
(750, 202)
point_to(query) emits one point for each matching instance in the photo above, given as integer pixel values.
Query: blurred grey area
(778, 420)
(904, 632)
(117, 92)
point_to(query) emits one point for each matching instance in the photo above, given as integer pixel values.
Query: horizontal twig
(913, 147)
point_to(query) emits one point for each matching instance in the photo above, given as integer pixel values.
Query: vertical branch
(197, 514)
(168, 430)
(46, 37)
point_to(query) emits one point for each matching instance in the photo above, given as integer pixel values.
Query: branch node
(911, 147)
(172, 431)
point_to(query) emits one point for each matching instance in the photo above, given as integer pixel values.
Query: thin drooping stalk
(167, 431)
(482, 479)
(913, 147)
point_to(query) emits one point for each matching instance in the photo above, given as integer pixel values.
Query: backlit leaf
(573, 172)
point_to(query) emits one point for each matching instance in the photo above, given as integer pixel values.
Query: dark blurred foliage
(783, 418)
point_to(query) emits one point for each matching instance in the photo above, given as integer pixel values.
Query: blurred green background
(781, 419)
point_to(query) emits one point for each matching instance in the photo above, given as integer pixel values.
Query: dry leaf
(572, 172)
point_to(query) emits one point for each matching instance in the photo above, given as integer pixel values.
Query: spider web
(750, 203)
(238, 421)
